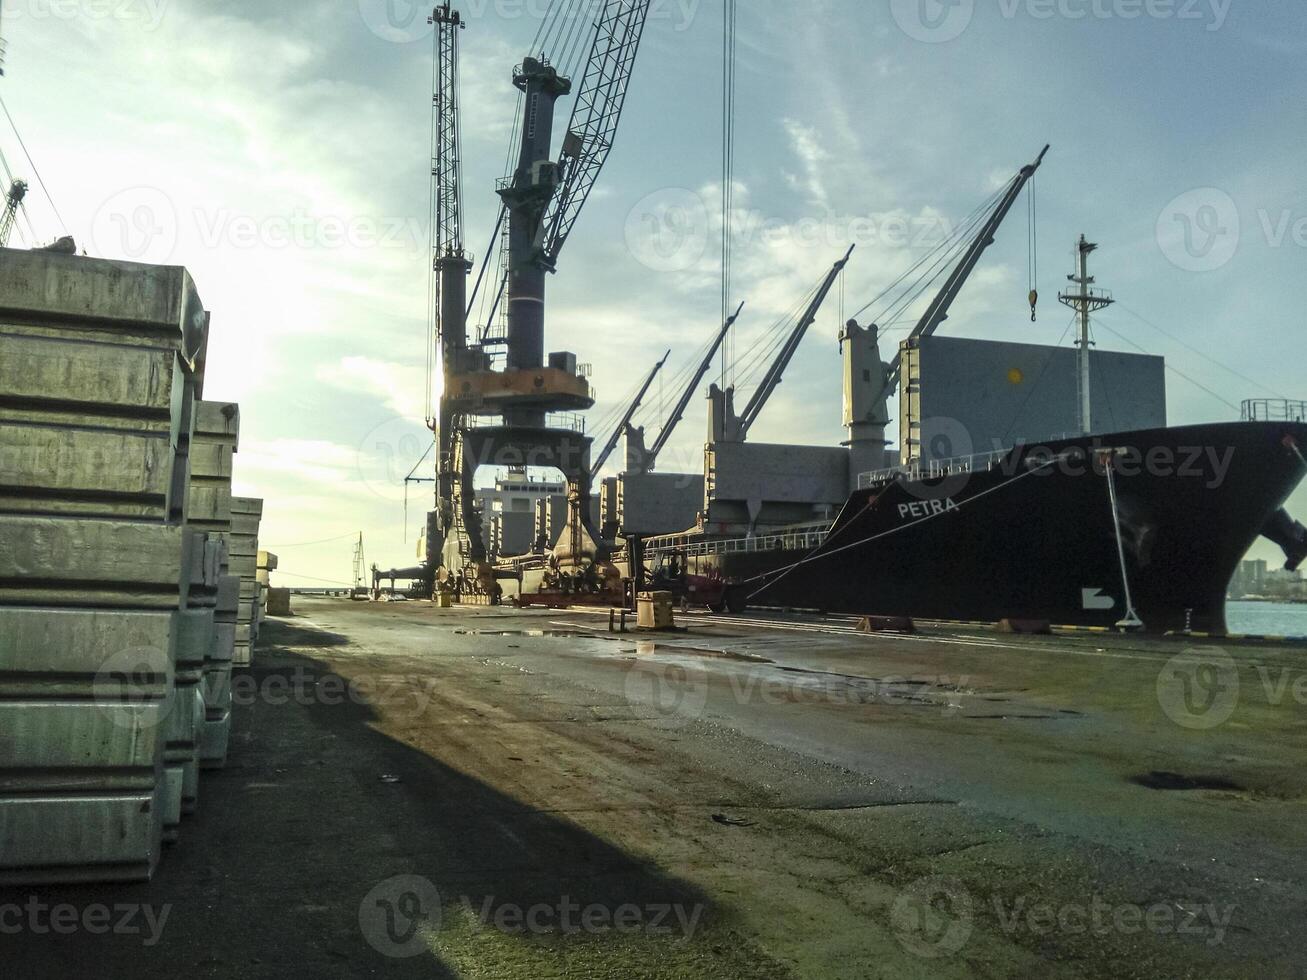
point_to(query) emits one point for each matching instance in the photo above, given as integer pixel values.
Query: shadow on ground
(288, 869)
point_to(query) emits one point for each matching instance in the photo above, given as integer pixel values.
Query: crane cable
(946, 260)
(949, 241)
(29, 237)
(35, 170)
(575, 46)
(1032, 242)
(729, 13)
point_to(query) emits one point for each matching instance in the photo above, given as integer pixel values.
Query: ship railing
(802, 537)
(565, 421)
(1274, 410)
(934, 469)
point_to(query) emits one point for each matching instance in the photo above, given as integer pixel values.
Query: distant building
(1249, 579)
(508, 511)
(1257, 580)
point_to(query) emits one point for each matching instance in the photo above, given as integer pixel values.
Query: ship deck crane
(616, 437)
(776, 373)
(938, 310)
(648, 458)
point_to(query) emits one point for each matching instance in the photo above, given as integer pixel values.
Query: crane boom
(446, 160)
(938, 310)
(450, 263)
(777, 372)
(651, 458)
(449, 269)
(611, 445)
(595, 116)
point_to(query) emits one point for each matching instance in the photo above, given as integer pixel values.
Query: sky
(281, 152)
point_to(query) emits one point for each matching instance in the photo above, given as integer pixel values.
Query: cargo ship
(1140, 527)
(1038, 533)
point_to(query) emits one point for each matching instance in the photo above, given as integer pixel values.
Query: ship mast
(1085, 300)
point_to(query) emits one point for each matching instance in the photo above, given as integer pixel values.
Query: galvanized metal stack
(267, 564)
(246, 516)
(216, 442)
(108, 596)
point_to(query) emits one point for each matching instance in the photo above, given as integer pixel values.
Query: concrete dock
(494, 793)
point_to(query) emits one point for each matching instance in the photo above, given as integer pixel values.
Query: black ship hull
(1034, 535)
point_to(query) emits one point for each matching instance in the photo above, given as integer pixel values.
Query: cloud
(250, 116)
(400, 387)
(807, 146)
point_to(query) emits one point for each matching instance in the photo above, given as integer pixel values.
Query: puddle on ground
(1176, 783)
(649, 648)
(531, 634)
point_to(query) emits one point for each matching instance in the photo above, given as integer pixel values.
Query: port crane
(494, 417)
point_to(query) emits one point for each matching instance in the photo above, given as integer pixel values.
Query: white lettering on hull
(927, 508)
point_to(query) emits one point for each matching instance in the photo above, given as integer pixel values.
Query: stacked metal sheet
(216, 442)
(267, 564)
(246, 516)
(108, 596)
